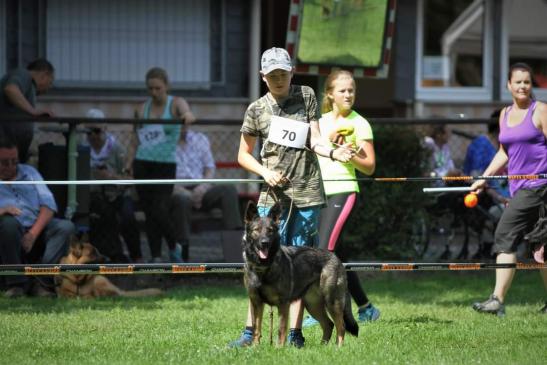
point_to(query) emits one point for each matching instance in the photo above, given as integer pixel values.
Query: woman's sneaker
(15, 292)
(245, 340)
(175, 255)
(492, 305)
(368, 314)
(309, 321)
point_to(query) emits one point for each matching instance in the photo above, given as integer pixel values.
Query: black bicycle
(446, 218)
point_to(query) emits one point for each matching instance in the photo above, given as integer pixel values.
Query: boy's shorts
(519, 218)
(302, 227)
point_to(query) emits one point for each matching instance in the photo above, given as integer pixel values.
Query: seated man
(28, 231)
(479, 154)
(195, 161)
(111, 206)
(440, 163)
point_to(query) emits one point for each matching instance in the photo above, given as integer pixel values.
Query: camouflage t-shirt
(300, 166)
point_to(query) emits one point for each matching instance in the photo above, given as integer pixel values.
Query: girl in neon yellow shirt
(340, 125)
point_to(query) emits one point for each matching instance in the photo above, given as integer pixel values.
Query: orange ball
(471, 200)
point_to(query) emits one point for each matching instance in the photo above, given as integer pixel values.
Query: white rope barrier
(134, 182)
(241, 181)
(447, 190)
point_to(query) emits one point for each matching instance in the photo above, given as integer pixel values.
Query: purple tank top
(526, 148)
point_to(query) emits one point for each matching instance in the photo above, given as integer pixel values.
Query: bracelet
(331, 154)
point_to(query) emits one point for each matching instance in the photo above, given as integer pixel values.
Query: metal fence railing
(60, 151)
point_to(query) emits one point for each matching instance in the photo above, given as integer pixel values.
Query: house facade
(449, 58)
(452, 57)
(102, 49)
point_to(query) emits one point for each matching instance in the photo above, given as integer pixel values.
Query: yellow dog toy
(337, 136)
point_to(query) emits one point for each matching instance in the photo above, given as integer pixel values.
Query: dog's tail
(537, 239)
(539, 234)
(142, 293)
(349, 320)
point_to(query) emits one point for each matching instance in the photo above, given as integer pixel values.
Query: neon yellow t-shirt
(334, 169)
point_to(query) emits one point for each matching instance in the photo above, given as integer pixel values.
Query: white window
(105, 43)
(524, 39)
(454, 51)
(2, 37)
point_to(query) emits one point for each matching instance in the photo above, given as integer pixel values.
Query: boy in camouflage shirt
(286, 122)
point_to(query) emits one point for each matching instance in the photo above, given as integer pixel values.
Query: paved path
(205, 246)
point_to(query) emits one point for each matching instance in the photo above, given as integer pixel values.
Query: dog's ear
(75, 246)
(275, 212)
(251, 213)
(76, 250)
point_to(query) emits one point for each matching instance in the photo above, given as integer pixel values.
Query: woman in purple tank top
(523, 148)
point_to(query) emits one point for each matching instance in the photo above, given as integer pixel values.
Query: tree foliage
(380, 226)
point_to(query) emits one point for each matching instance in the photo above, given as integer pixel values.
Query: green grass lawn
(426, 319)
(354, 38)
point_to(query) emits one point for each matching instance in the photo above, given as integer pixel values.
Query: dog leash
(270, 192)
(271, 325)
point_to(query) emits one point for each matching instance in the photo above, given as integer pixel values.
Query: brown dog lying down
(89, 285)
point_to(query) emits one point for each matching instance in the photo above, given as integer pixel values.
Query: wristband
(331, 154)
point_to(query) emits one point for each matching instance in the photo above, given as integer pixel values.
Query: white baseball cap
(95, 113)
(274, 59)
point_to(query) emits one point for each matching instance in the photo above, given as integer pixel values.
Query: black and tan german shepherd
(277, 275)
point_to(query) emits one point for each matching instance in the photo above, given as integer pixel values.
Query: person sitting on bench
(195, 161)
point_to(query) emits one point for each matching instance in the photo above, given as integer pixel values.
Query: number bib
(151, 135)
(288, 132)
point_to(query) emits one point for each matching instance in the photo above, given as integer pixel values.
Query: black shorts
(519, 218)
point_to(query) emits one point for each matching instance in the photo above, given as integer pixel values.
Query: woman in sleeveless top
(153, 149)
(340, 124)
(523, 148)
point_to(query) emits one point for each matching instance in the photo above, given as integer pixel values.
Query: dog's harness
(291, 272)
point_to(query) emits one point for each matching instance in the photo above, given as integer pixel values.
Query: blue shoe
(368, 314)
(309, 321)
(175, 255)
(296, 338)
(245, 340)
